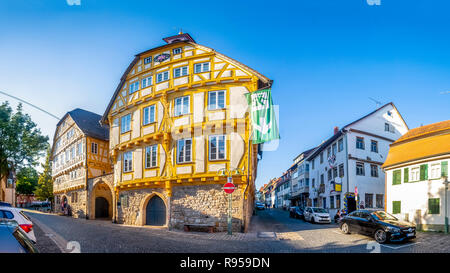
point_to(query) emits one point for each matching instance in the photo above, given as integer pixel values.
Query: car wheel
(345, 229)
(312, 220)
(380, 236)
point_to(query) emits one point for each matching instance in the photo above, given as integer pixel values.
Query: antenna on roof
(377, 103)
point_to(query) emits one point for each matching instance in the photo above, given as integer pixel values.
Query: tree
(44, 190)
(27, 181)
(21, 142)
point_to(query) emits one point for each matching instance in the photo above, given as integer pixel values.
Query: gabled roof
(187, 39)
(89, 123)
(420, 143)
(326, 143)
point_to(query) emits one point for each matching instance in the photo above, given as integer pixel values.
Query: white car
(317, 215)
(24, 222)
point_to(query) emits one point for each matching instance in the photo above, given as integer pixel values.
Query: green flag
(262, 116)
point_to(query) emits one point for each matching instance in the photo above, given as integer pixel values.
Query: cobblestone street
(271, 231)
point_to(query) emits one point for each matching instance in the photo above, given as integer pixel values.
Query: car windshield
(319, 210)
(381, 215)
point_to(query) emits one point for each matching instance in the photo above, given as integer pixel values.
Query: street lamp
(228, 173)
(445, 182)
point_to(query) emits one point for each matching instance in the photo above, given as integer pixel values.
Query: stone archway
(154, 210)
(101, 200)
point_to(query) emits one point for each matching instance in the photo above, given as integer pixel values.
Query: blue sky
(326, 57)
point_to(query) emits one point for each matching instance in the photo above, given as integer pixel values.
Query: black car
(383, 226)
(13, 239)
(296, 212)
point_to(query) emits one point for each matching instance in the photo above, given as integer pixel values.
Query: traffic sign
(229, 188)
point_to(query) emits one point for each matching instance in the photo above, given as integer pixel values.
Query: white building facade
(345, 171)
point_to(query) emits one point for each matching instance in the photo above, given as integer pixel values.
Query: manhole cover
(266, 234)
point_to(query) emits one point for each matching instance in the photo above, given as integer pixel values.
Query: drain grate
(266, 235)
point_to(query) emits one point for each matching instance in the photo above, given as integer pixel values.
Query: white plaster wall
(137, 162)
(238, 101)
(199, 107)
(136, 124)
(237, 146)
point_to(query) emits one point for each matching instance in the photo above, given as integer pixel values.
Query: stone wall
(78, 206)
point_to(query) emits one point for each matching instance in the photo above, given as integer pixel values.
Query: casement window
(322, 179)
(435, 171)
(67, 155)
(360, 143)
(216, 100)
(151, 154)
(406, 175)
(134, 87)
(340, 145)
(379, 201)
(180, 71)
(70, 133)
(125, 123)
(148, 60)
(201, 67)
(331, 202)
(313, 183)
(389, 128)
(341, 170)
(329, 175)
(184, 150)
(338, 201)
(148, 115)
(369, 200)
(127, 162)
(328, 152)
(415, 174)
(321, 157)
(163, 76)
(359, 168)
(396, 207)
(182, 106)
(176, 51)
(334, 149)
(72, 152)
(444, 168)
(94, 148)
(146, 82)
(335, 172)
(312, 164)
(397, 177)
(434, 206)
(217, 147)
(79, 148)
(373, 170)
(423, 172)
(374, 146)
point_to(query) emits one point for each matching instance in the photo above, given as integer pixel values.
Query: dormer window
(176, 51)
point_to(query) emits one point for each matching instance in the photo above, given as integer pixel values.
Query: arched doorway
(101, 208)
(155, 212)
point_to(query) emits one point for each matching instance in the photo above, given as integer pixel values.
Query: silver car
(317, 215)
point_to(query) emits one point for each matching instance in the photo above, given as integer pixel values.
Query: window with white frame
(67, 155)
(163, 76)
(360, 143)
(415, 174)
(72, 152)
(374, 146)
(125, 123)
(146, 82)
(134, 87)
(373, 170)
(389, 128)
(359, 168)
(176, 51)
(435, 171)
(340, 145)
(151, 154)
(201, 67)
(149, 115)
(184, 150)
(180, 71)
(94, 148)
(216, 100)
(148, 60)
(127, 162)
(217, 147)
(181, 106)
(79, 148)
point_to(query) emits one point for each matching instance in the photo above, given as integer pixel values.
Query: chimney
(336, 129)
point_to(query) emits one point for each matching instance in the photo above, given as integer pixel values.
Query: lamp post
(445, 182)
(228, 173)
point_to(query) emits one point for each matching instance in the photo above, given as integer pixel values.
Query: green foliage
(21, 142)
(27, 180)
(44, 190)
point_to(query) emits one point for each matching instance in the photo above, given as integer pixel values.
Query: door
(367, 223)
(155, 212)
(351, 204)
(354, 221)
(101, 208)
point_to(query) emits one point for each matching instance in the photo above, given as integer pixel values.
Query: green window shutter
(433, 206)
(406, 175)
(423, 172)
(396, 207)
(396, 179)
(444, 168)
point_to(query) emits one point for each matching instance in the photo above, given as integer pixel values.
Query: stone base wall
(205, 204)
(78, 207)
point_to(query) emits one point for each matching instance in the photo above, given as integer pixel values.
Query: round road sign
(229, 187)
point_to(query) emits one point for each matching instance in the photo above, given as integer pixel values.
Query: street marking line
(398, 247)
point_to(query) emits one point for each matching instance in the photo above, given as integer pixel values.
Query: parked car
(296, 212)
(13, 239)
(259, 206)
(42, 206)
(381, 225)
(23, 221)
(4, 204)
(317, 215)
